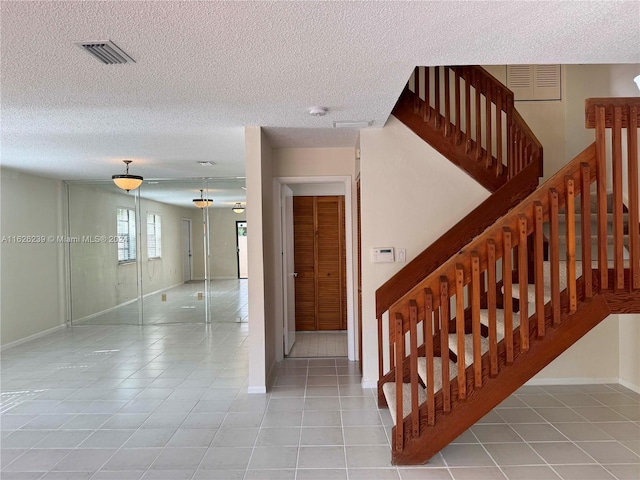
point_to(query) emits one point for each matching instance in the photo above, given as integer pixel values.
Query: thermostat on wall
(382, 255)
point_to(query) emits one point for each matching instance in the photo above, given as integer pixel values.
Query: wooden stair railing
(469, 117)
(509, 167)
(449, 359)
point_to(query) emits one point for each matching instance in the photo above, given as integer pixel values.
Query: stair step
(468, 346)
(531, 289)
(484, 319)
(437, 371)
(389, 390)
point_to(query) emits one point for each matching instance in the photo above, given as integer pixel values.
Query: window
(154, 235)
(126, 225)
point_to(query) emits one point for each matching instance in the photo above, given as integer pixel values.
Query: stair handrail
(511, 241)
(521, 150)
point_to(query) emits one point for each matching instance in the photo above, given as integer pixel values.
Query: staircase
(486, 319)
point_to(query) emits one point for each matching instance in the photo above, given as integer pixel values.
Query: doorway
(187, 256)
(313, 186)
(241, 247)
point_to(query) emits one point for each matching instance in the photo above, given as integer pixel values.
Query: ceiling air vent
(106, 51)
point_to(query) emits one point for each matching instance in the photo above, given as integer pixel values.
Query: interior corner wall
(32, 274)
(223, 241)
(260, 245)
(629, 354)
(410, 196)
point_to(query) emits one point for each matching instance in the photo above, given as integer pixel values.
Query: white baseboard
(369, 384)
(629, 385)
(572, 381)
(260, 389)
(128, 302)
(15, 343)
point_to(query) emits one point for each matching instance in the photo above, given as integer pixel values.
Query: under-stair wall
(500, 331)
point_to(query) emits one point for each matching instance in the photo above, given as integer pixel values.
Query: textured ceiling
(204, 70)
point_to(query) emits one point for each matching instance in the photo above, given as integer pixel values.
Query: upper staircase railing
(476, 314)
(475, 125)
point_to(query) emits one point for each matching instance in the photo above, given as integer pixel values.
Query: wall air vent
(106, 51)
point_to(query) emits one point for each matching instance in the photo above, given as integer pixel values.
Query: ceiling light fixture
(318, 111)
(202, 202)
(127, 182)
(238, 208)
(207, 164)
(637, 80)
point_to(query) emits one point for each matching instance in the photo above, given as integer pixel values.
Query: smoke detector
(106, 51)
(318, 111)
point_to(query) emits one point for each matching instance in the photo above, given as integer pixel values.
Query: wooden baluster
(500, 166)
(444, 343)
(511, 150)
(427, 95)
(585, 212)
(491, 306)
(538, 215)
(488, 101)
(399, 342)
(570, 219)
(478, 85)
(427, 327)
(380, 354)
(462, 377)
(392, 340)
(447, 103)
(457, 107)
(618, 228)
(554, 249)
(467, 108)
(413, 367)
(523, 279)
(601, 175)
(520, 151)
(508, 293)
(437, 97)
(475, 319)
(632, 161)
(509, 123)
(416, 90)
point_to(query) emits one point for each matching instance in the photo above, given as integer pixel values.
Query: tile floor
(169, 402)
(182, 304)
(319, 344)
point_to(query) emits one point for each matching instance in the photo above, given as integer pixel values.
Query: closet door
(320, 263)
(304, 259)
(330, 229)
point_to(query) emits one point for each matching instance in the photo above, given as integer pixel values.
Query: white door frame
(277, 255)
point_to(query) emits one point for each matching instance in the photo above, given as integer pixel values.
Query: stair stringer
(494, 390)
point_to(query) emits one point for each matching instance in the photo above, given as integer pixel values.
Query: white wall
(410, 196)
(309, 162)
(32, 275)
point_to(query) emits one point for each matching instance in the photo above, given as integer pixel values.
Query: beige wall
(629, 359)
(411, 195)
(32, 275)
(98, 281)
(309, 162)
(222, 241)
(261, 328)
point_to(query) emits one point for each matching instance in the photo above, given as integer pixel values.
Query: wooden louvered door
(320, 253)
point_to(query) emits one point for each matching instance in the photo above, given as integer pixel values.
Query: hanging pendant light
(202, 202)
(238, 208)
(127, 182)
